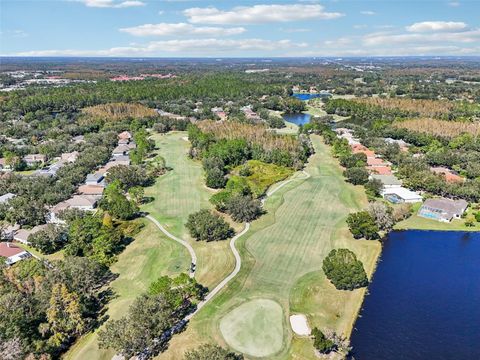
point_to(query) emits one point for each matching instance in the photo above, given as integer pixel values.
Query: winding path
(236, 254)
(182, 242)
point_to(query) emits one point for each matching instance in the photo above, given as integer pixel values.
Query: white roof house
(401, 195)
(6, 198)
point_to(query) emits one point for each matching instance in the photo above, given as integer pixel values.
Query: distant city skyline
(182, 28)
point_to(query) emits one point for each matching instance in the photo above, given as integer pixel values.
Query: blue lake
(297, 118)
(302, 96)
(424, 300)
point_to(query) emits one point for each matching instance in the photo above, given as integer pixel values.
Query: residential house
(125, 135)
(83, 202)
(121, 150)
(443, 209)
(23, 234)
(78, 139)
(95, 190)
(380, 170)
(400, 194)
(218, 111)
(7, 232)
(401, 143)
(373, 162)
(249, 113)
(55, 211)
(95, 179)
(449, 175)
(388, 181)
(12, 253)
(34, 159)
(70, 157)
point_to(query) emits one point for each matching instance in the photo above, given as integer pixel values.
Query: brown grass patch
(442, 128)
(426, 108)
(119, 111)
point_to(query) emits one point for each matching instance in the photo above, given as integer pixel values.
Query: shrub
(242, 208)
(204, 225)
(362, 224)
(321, 342)
(344, 270)
(356, 175)
(49, 240)
(211, 352)
(373, 188)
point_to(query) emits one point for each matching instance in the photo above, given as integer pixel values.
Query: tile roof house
(449, 175)
(374, 162)
(443, 209)
(90, 190)
(12, 253)
(380, 170)
(125, 135)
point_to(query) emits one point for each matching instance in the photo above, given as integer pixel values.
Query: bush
(214, 172)
(242, 208)
(275, 122)
(204, 225)
(321, 342)
(362, 224)
(344, 270)
(356, 175)
(353, 160)
(211, 352)
(49, 240)
(373, 188)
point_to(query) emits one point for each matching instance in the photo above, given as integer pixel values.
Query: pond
(424, 300)
(297, 118)
(306, 96)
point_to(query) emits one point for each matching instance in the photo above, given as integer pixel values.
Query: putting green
(254, 328)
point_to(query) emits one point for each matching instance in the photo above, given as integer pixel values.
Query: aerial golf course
(281, 254)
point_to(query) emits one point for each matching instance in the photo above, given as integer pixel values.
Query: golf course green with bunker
(282, 256)
(254, 328)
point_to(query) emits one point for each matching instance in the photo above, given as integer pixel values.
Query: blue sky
(232, 28)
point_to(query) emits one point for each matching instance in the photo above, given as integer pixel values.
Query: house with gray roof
(443, 209)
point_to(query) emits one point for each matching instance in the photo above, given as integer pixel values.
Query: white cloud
(161, 12)
(430, 26)
(112, 3)
(385, 39)
(367, 12)
(295, 30)
(454, 3)
(180, 29)
(359, 27)
(14, 33)
(258, 14)
(190, 47)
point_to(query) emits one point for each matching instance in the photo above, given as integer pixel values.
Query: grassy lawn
(419, 223)
(282, 258)
(151, 255)
(181, 192)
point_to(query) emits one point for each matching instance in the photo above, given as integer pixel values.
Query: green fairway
(151, 255)
(254, 328)
(179, 193)
(282, 258)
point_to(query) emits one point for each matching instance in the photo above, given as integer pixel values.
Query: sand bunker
(299, 325)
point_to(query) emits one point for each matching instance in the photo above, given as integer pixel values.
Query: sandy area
(185, 138)
(299, 325)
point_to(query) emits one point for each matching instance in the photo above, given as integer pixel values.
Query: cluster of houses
(218, 111)
(86, 198)
(440, 209)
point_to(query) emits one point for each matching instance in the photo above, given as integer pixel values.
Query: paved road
(183, 242)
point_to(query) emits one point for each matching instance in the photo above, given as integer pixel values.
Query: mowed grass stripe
(179, 193)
